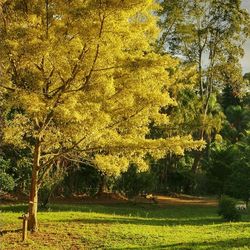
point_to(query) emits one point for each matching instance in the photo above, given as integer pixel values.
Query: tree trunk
(102, 186)
(33, 199)
(195, 166)
(197, 159)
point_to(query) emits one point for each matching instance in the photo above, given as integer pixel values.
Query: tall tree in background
(81, 82)
(210, 35)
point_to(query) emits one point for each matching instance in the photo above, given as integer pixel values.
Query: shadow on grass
(118, 209)
(3, 232)
(16, 208)
(149, 214)
(223, 244)
(145, 221)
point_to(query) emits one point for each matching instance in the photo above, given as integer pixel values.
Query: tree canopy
(81, 81)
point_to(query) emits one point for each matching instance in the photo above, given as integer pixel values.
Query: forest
(122, 98)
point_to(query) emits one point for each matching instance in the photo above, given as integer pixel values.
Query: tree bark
(197, 159)
(33, 199)
(195, 166)
(102, 186)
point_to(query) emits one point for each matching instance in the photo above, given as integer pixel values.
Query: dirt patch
(161, 200)
(104, 198)
(185, 200)
(6, 198)
(115, 198)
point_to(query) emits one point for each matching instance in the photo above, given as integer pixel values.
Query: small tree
(238, 184)
(227, 209)
(132, 182)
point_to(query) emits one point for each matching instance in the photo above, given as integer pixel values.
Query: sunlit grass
(126, 227)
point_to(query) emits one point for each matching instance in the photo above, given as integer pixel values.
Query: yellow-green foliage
(86, 80)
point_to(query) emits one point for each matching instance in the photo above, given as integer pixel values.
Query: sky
(246, 59)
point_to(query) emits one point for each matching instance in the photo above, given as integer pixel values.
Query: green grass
(125, 227)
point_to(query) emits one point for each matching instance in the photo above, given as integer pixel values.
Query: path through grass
(125, 227)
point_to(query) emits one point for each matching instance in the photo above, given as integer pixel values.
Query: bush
(227, 209)
(7, 183)
(132, 182)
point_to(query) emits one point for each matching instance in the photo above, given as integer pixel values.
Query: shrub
(7, 183)
(227, 209)
(132, 182)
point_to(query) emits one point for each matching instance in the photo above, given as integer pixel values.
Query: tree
(228, 164)
(210, 35)
(247, 76)
(82, 83)
(132, 182)
(239, 120)
(218, 168)
(228, 170)
(238, 184)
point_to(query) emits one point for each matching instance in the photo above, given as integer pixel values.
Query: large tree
(81, 82)
(210, 35)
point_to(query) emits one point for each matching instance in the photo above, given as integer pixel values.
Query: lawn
(125, 227)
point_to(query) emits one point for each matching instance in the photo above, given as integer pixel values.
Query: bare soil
(186, 200)
(114, 198)
(161, 200)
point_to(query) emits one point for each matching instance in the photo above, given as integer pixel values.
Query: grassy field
(125, 227)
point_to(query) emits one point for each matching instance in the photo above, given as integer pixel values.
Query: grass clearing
(125, 226)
